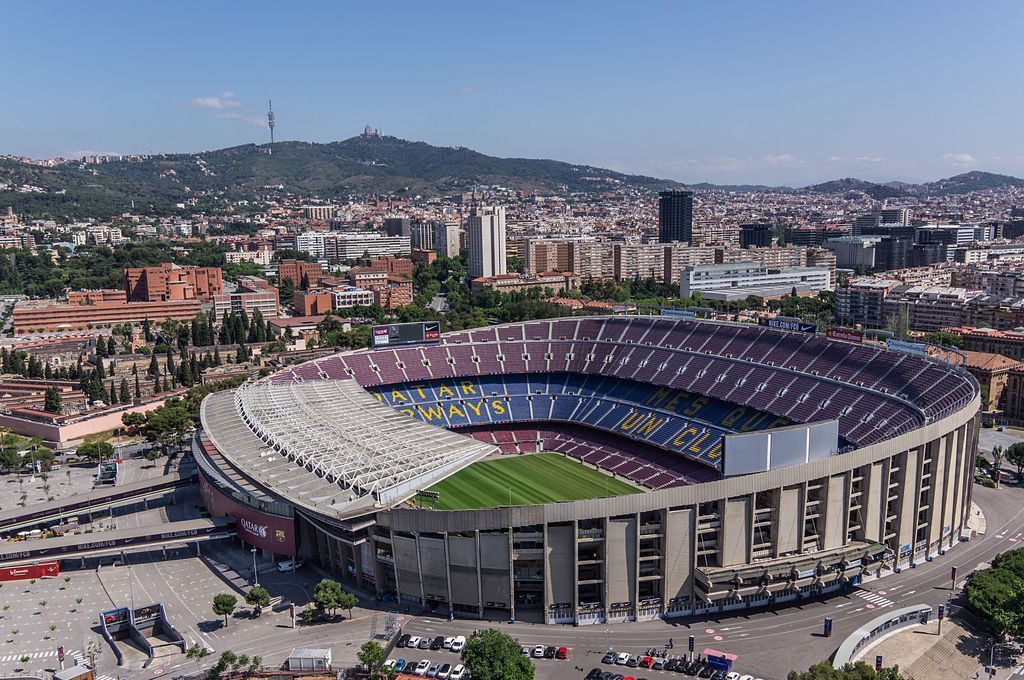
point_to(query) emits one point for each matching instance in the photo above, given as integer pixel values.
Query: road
(769, 643)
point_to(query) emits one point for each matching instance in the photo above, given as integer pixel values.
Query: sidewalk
(921, 653)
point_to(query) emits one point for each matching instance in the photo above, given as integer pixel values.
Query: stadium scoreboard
(396, 334)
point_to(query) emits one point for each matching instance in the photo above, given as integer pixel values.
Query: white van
(289, 565)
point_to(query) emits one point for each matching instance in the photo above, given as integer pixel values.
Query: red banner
(41, 570)
(845, 334)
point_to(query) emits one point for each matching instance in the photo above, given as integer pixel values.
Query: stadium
(598, 469)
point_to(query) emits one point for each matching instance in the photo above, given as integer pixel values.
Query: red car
(646, 662)
(562, 653)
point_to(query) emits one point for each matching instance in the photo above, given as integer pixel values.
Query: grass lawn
(534, 478)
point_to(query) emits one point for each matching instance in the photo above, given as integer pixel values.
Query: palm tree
(997, 462)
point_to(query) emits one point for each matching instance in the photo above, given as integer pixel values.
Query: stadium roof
(331, 443)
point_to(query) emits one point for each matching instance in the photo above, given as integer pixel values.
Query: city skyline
(731, 93)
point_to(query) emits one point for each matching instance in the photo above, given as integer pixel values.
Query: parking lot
(578, 663)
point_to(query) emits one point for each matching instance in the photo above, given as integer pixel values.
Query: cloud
(959, 160)
(780, 159)
(855, 159)
(251, 120)
(224, 101)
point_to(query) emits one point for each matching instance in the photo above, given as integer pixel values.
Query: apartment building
(741, 280)
(861, 302)
(557, 282)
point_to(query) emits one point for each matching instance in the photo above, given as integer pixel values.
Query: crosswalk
(29, 655)
(874, 600)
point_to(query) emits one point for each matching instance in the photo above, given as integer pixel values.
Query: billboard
(41, 570)
(846, 334)
(749, 452)
(915, 348)
(678, 313)
(784, 323)
(406, 333)
(265, 531)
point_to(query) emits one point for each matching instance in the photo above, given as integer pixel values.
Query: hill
(357, 166)
(968, 182)
(841, 186)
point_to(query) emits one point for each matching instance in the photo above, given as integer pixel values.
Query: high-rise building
(757, 235)
(397, 226)
(421, 235)
(675, 216)
(485, 232)
(447, 239)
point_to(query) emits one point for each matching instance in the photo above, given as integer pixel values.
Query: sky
(791, 92)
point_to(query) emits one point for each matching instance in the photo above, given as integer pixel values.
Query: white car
(422, 666)
(389, 664)
(732, 675)
(538, 652)
(288, 565)
(413, 642)
(448, 642)
(445, 672)
(458, 643)
(458, 673)
(621, 659)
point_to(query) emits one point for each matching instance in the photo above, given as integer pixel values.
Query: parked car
(562, 653)
(422, 667)
(413, 642)
(403, 641)
(622, 659)
(289, 565)
(437, 643)
(445, 672)
(448, 642)
(609, 657)
(538, 652)
(549, 652)
(432, 671)
(458, 643)
(458, 673)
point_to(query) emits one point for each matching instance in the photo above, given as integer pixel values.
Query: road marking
(910, 592)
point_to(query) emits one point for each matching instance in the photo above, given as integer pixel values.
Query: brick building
(992, 371)
(52, 315)
(294, 270)
(170, 282)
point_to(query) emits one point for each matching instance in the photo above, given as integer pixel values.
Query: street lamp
(255, 576)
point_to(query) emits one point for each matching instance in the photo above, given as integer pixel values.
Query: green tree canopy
(328, 596)
(493, 655)
(224, 605)
(96, 450)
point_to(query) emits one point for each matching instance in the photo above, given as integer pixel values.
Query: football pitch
(533, 478)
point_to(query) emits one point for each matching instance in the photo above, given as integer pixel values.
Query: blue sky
(782, 92)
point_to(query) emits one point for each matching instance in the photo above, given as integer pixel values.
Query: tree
(10, 459)
(371, 654)
(154, 367)
(52, 400)
(257, 597)
(124, 394)
(224, 605)
(348, 602)
(1015, 456)
(134, 422)
(493, 655)
(96, 450)
(851, 671)
(328, 596)
(169, 424)
(998, 453)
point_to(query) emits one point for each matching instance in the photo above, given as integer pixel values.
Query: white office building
(350, 296)
(485, 236)
(447, 239)
(737, 281)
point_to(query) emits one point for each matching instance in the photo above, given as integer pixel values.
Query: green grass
(534, 478)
